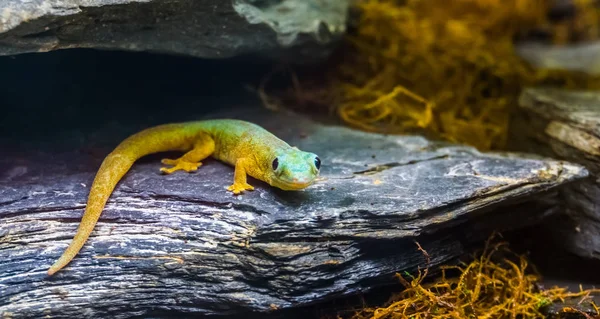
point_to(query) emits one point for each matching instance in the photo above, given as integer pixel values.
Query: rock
(181, 244)
(298, 30)
(580, 57)
(566, 124)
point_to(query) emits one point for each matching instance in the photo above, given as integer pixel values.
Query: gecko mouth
(285, 185)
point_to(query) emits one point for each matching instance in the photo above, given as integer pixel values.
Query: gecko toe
(165, 170)
(240, 188)
(168, 161)
(179, 165)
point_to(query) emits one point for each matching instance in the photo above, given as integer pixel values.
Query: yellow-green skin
(247, 146)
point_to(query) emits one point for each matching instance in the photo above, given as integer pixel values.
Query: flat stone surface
(566, 124)
(293, 29)
(182, 244)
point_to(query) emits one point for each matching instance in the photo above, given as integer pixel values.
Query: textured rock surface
(566, 124)
(295, 29)
(181, 243)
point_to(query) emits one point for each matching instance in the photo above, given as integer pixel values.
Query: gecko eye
(275, 164)
(317, 163)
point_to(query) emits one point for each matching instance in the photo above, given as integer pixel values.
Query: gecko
(251, 149)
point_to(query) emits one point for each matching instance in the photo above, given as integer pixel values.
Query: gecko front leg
(239, 176)
(190, 161)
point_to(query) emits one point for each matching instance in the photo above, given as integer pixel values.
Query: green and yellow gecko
(250, 148)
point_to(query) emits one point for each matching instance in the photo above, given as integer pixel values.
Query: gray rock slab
(298, 30)
(566, 124)
(181, 244)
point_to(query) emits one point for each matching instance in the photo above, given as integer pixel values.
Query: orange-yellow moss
(457, 55)
(489, 287)
(443, 67)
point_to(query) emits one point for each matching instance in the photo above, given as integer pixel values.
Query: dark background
(44, 94)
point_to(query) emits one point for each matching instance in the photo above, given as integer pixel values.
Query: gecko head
(294, 169)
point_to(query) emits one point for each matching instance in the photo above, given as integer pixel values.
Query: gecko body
(251, 149)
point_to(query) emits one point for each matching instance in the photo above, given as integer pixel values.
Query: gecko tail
(152, 140)
(113, 168)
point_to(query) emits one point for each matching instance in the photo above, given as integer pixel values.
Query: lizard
(251, 149)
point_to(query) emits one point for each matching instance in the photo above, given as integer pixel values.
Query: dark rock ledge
(182, 244)
(299, 30)
(565, 124)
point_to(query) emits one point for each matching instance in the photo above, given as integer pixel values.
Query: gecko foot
(179, 164)
(239, 188)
